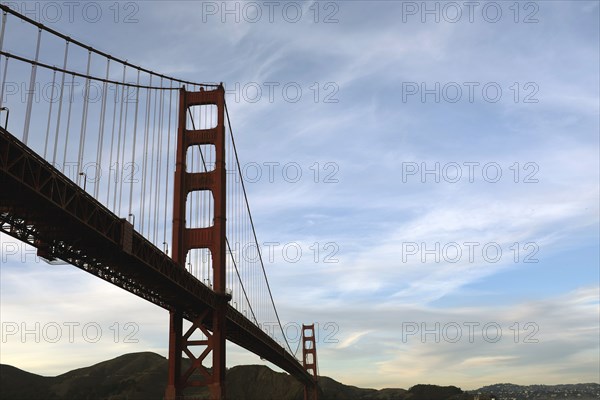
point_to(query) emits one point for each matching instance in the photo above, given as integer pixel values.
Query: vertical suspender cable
(159, 164)
(31, 89)
(145, 162)
(235, 214)
(119, 169)
(86, 96)
(3, 81)
(158, 161)
(112, 140)
(201, 205)
(112, 145)
(240, 227)
(230, 219)
(137, 94)
(153, 150)
(247, 242)
(203, 208)
(204, 198)
(151, 145)
(124, 146)
(168, 163)
(208, 196)
(189, 203)
(60, 101)
(2, 30)
(49, 113)
(101, 131)
(68, 120)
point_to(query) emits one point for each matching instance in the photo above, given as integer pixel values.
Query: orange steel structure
(309, 360)
(210, 322)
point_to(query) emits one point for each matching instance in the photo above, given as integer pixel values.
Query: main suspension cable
(40, 26)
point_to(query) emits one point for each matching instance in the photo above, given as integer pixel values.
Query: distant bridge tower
(210, 322)
(309, 360)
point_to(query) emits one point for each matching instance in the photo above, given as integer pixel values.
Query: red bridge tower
(210, 322)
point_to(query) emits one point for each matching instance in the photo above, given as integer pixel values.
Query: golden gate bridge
(98, 156)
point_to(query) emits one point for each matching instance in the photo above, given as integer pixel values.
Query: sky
(447, 207)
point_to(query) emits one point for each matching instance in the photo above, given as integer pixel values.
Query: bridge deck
(42, 207)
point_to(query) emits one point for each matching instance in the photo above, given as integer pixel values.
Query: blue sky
(363, 122)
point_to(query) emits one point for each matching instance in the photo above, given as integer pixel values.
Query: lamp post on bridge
(133, 217)
(7, 114)
(84, 179)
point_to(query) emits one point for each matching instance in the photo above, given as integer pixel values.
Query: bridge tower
(210, 322)
(309, 360)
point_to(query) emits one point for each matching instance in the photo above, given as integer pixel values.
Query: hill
(142, 376)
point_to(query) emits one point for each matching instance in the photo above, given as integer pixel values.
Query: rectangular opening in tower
(200, 158)
(202, 117)
(199, 211)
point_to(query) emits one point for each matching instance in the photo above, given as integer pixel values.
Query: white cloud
(350, 340)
